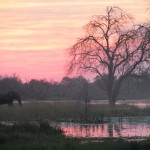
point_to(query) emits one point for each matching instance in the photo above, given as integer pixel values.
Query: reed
(60, 111)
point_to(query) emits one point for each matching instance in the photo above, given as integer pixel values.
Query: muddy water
(127, 127)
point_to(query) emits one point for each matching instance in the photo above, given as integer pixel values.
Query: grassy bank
(41, 136)
(66, 111)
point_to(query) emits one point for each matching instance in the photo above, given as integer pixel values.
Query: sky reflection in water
(129, 127)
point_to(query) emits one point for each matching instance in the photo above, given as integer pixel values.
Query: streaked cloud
(29, 27)
(33, 64)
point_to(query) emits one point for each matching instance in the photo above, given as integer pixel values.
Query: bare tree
(110, 47)
(85, 95)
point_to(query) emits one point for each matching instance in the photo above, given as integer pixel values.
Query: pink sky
(34, 34)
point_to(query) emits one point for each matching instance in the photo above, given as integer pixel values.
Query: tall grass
(60, 111)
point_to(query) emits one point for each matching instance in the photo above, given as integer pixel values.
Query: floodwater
(117, 127)
(125, 127)
(138, 103)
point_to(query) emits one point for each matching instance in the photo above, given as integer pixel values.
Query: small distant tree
(112, 47)
(85, 95)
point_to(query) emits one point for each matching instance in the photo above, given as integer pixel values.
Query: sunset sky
(34, 34)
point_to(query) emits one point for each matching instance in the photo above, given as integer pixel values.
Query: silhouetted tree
(12, 83)
(109, 47)
(77, 88)
(38, 89)
(73, 87)
(85, 95)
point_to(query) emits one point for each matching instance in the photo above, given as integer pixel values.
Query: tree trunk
(115, 92)
(112, 101)
(110, 89)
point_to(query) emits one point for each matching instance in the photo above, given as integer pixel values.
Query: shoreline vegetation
(71, 112)
(41, 136)
(30, 129)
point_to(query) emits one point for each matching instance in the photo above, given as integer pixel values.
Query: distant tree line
(73, 88)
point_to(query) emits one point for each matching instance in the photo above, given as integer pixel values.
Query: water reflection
(138, 103)
(129, 127)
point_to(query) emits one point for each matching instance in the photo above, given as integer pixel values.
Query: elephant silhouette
(9, 97)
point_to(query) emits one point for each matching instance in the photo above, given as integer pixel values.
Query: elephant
(9, 97)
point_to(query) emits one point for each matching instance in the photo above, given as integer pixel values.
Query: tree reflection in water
(125, 128)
